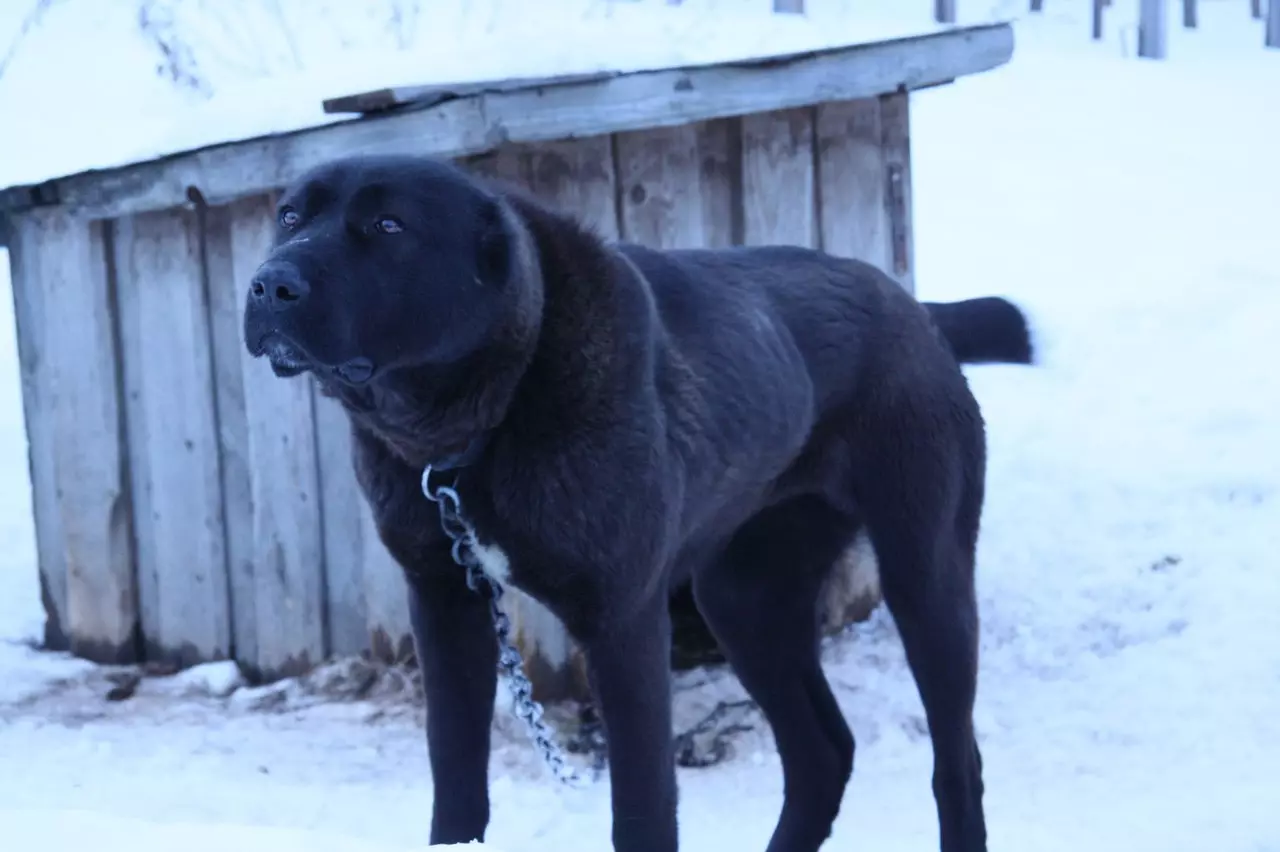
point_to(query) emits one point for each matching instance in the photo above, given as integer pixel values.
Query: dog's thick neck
(426, 413)
(573, 377)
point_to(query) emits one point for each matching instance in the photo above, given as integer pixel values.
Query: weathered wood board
(778, 189)
(435, 93)
(65, 310)
(31, 236)
(660, 188)
(173, 437)
(386, 595)
(288, 538)
(344, 555)
(854, 210)
(864, 168)
(719, 147)
(226, 304)
(895, 137)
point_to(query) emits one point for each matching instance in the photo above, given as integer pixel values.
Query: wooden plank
(288, 540)
(719, 145)
(1153, 29)
(344, 556)
(173, 438)
(386, 595)
(471, 125)
(778, 199)
(226, 305)
(574, 176)
(504, 165)
(659, 171)
(577, 176)
(435, 93)
(864, 167)
(853, 211)
(27, 254)
(682, 187)
(896, 139)
(65, 309)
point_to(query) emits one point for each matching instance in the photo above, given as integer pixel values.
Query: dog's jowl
(629, 419)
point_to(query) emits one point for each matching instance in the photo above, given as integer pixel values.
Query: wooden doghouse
(189, 506)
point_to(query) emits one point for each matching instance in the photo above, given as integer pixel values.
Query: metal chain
(510, 662)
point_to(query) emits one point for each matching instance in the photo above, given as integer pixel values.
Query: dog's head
(378, 264)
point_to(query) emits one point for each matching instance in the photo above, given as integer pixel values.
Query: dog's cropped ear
(494, 236)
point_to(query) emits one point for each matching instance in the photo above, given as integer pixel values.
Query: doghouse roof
(452, 120)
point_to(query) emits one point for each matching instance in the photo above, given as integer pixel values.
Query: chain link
(510, 662)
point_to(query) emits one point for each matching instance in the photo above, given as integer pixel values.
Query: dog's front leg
(631, 673)
(458, 655)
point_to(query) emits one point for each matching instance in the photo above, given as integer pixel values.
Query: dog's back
(743, 314)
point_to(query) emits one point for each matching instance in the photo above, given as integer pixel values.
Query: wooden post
(944, 11)
(1152, 30)
(1037, 5)
(1189, 17)
(791, 6)
(1098, 6)
(1255, 7)
(1273, 23)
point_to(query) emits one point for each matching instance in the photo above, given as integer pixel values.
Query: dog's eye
(388, 225)
(289, 218)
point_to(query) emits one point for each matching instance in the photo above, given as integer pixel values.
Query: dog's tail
(987, 330)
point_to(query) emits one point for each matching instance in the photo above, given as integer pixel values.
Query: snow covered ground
(1130, 692)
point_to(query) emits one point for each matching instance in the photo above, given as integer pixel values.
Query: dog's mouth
(287, 359)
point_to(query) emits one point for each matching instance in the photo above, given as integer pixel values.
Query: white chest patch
(493, 561)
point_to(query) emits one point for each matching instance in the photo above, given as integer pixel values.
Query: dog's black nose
(279, 286)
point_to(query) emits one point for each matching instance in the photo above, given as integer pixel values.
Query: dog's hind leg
(920, 489)
(760, 600)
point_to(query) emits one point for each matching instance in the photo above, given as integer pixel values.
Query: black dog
(630, 419)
